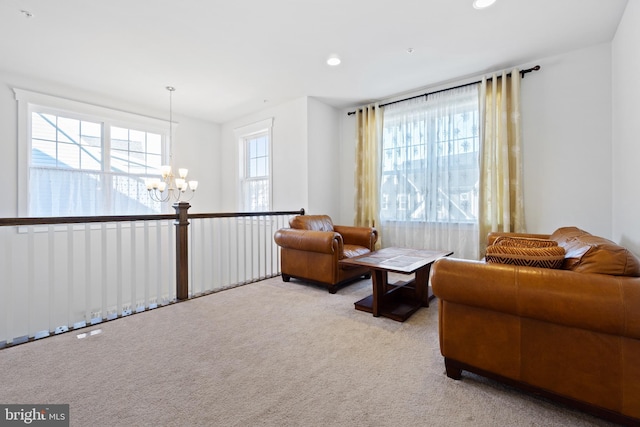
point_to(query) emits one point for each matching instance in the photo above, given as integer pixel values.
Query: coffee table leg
(422, 285)
(379, 289)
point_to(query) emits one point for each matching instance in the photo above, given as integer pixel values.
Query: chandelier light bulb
(165, 171)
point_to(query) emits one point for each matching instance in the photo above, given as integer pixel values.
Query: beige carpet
(265, 354)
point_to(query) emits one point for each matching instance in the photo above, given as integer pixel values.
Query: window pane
(154, 143)
(261, 146)
(257, 195)
(137, 141)
(120, 161)
(43, 153)
(43, 126)
(130, 149)
(68, 130)
(90, 158)
(154, 162)
(91, 130)
(119, 133)
(69, 156)
(137, 163)
(261, 167)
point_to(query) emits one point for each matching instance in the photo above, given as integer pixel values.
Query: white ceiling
(229, 58)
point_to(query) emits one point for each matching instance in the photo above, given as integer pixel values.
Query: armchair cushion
(311, 222)
(351, 251)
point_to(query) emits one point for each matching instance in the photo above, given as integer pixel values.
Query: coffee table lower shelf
(398, 304)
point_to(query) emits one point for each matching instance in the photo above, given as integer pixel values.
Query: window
(255, 167)
(81, 160)
(255, 186)
(430, 159)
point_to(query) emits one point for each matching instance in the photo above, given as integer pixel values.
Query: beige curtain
(367, 179)
(501, 206)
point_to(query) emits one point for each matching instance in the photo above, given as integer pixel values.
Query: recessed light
(333, 60)
(481, 4)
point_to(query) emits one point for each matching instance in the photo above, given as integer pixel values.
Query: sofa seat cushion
(544, 257)
(351, 251)
(586, 253)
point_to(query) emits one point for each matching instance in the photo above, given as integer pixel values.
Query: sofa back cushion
(526, 256)
(586, 253)
(524, 242)
(312, 222)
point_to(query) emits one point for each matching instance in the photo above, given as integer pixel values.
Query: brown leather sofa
(571, 334)
(312, 246)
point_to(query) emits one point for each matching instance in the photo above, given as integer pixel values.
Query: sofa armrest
(361, 236)
(328, 242)
(596, 302)
(493, 236)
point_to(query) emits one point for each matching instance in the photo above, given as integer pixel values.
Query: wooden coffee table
(399, 300)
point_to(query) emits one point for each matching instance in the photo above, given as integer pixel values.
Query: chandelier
(171, 188)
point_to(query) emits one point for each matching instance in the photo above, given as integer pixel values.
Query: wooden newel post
(182, 250)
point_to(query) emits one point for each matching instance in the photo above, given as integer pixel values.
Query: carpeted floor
(265, 354)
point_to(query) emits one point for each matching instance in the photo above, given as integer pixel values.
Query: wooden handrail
(7, 222)
(181, 221)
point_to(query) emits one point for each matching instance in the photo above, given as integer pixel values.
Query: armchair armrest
(361, 236)
(328, 242)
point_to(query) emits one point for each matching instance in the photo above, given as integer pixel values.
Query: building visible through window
(430, 163)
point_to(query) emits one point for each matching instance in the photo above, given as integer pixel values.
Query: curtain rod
(522, 73)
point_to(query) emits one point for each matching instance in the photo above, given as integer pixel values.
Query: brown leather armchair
(312, 246)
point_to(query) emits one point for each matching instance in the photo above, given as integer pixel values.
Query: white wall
(348, 142)
(566, 109)
(289, 151)
(196, 141)
(9, 149)
(197, 146)
(305, 157)
(566, 114)
(324, 155)
(626, 129)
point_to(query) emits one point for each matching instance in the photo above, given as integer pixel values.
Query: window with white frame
(77, 159)
(255, 166)
(430, 158)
